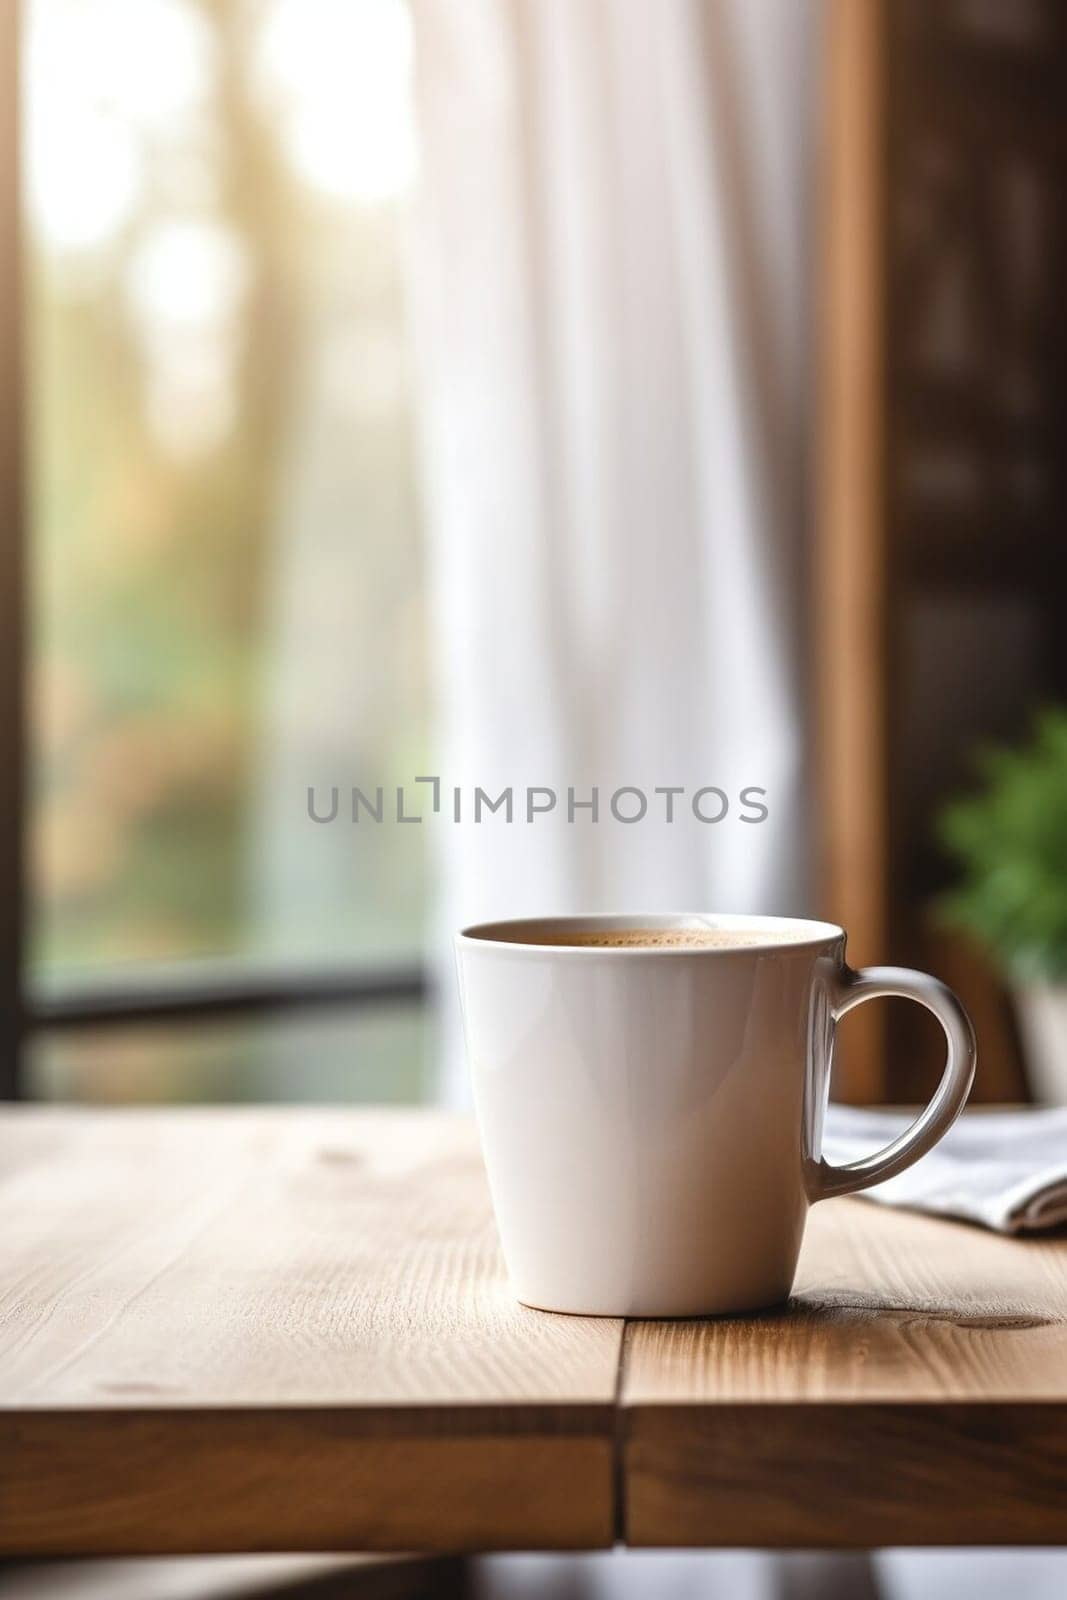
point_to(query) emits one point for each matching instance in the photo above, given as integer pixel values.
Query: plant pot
(1042, 1012)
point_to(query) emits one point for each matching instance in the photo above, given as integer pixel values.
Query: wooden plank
(850, 559)
(281, 1330)
(914, 1391)
(12, 564)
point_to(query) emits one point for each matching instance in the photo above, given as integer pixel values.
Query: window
(222, 559)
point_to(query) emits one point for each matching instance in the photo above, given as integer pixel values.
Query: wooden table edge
(843, 1474)
(129, 1480)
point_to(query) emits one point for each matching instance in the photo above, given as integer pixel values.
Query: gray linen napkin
(1004, 1169)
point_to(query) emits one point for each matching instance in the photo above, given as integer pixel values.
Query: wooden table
(279, 1329)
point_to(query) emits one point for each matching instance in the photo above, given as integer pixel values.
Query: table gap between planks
(289, 1329)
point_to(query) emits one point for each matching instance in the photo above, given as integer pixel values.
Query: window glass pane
(377, 1054)
(227, 581)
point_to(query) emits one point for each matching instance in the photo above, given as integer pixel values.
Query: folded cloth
(1004, 1169)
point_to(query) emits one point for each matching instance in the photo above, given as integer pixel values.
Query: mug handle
(871, 983)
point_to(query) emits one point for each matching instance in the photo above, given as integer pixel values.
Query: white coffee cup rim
(522, 934)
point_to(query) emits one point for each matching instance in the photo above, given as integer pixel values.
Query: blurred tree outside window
(227, 593)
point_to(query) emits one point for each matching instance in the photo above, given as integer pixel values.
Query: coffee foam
(663, 938)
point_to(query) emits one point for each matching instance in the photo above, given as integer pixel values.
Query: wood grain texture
(914, 1391)
(289, 1330)
(280, 1329)
(850, 591)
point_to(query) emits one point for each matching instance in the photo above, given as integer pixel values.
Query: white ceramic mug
(651, 1117)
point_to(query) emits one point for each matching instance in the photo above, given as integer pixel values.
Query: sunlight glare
(337, 74)
(100, 76)
(185, 287)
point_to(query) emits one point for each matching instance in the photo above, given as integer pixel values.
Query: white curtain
(612, 314)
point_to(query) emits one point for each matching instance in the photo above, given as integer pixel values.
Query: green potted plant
(1009, 840)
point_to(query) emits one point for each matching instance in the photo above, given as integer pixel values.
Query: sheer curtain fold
(611, 314)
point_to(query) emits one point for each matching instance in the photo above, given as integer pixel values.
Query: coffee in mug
(658, 938)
